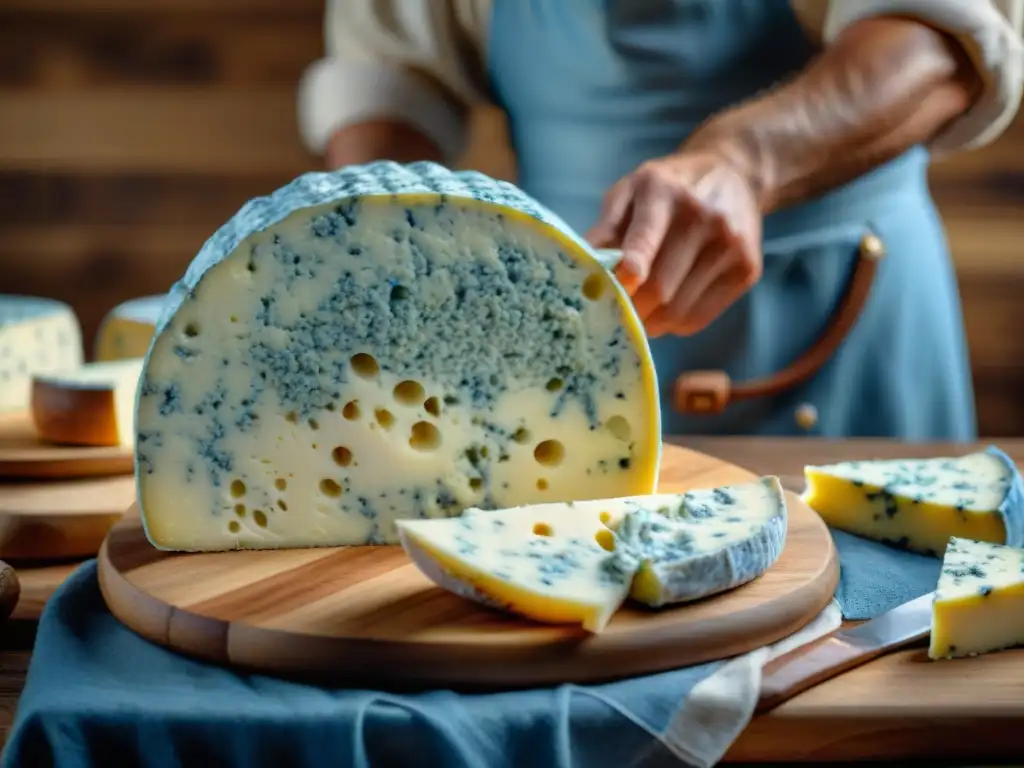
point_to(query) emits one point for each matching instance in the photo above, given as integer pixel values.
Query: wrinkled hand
(689, 225)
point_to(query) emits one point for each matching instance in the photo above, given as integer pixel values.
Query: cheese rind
(127, 330)
(703, 542)
(91, 405)
(575, 562)
(36, 336)
(548, 562)
(387, 342)
(918, 504)
(979, 600)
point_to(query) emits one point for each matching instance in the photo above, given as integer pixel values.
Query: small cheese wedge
(548, 562)
(128, 328)
(92, 405)
(37, 335)
(918, 504)
(979, 601)
(702, 542)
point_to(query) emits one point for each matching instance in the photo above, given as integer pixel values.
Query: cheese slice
(36, 336)
(92, 405)
(979, 601)
(703, 542)
(918, 504)
(575, 562)
(127, 330)
(388, 342)
(548, 562)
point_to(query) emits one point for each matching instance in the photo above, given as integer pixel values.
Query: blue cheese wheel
(388, 342)
(37, 336)
(128, 328)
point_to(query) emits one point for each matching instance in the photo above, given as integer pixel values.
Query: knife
(808, 665)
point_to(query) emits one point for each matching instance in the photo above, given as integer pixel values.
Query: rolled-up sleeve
(412, 60)
(990, 31)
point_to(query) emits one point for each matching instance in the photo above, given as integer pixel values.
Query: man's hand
(689, 225)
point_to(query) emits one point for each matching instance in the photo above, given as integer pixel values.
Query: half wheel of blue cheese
(387, 342)
(919, 504)
(575, 562)
(37, 336)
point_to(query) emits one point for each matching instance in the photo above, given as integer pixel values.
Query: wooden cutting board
(25, 456)
(367, 614)
(61, 519)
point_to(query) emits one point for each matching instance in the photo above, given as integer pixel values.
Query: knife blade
(808, 665)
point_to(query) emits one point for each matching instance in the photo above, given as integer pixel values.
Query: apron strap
(708, 392)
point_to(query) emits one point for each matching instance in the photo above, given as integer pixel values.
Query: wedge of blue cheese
(979, 601)
(37, 336)
(919, 504)
(127, 330)
(547, 562)
(575, 562)
(381, 343)
(702, 542)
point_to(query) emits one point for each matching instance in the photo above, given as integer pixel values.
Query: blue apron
(593, 88)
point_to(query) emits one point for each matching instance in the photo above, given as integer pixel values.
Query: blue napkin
(97, 694)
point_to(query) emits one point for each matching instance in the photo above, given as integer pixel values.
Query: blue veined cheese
(388, 342)
(91, 405)
(127, 330)
(547, 562)
(918, 504)
(575, 562)
(36, 336)
(979, 601)
(692, 545)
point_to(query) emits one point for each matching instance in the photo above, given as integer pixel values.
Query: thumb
(650, 220)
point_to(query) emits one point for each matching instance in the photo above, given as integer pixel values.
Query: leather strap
(708, 392)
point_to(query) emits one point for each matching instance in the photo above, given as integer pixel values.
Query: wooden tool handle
(10, 590)
(712, 391)
(804, 667)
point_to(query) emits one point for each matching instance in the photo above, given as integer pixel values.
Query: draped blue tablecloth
(99, 695)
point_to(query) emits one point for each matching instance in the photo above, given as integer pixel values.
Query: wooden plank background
(130, 130)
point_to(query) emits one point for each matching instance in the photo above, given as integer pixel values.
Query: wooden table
(900, 707)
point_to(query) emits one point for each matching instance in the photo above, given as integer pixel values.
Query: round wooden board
(62, 519)
(367, 614)
(25, 456)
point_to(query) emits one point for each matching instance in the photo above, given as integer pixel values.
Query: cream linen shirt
(424, 61)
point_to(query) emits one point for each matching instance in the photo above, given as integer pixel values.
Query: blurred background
(131, 129)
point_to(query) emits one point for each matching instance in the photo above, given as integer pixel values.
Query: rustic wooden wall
(130, 130)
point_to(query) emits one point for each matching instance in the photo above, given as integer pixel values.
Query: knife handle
(794, 672)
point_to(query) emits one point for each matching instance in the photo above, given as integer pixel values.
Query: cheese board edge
(416, 664)
(46, 461)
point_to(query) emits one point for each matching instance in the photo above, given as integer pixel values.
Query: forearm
(884, 85)
(380, 139)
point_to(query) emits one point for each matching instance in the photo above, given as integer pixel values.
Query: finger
(714, 261)
(614, 210)
(721, 295)
(677, 256)
(649, 222)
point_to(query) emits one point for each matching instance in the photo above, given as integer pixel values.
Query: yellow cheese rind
(916, 504)
(979, 600)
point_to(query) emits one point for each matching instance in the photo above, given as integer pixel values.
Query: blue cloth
(594, 88)
(97, 695)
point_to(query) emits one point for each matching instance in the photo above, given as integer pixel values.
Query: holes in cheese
(442, 303)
